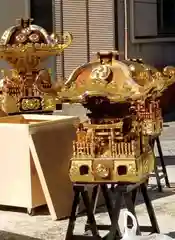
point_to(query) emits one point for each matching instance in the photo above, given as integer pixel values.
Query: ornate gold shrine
(27, 86)
(123, 102)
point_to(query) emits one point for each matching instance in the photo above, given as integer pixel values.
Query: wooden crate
(35, 152)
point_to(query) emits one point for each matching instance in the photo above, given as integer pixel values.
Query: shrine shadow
(153, 192)
(38, 211)
(170, 117)
(171, 234)
(4, 235)
(169, 161)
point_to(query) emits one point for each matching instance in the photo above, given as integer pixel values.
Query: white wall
(143, 23)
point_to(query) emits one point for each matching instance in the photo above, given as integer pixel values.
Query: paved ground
(18, 225)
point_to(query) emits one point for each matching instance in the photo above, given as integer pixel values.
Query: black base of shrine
(128, 192)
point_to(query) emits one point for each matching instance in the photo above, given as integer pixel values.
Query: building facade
(151, 30)
(99, 25)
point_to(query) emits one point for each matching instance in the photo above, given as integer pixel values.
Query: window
(41, 12)
(152, 21)
(166, 17)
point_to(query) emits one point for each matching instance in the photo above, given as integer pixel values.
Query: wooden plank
(15, 182)
(51, 149)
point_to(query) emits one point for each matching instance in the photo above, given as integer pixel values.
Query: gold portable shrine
(122, 100)
(27, 86)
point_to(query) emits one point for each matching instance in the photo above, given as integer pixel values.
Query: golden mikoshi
(122, 98)
(27, 86)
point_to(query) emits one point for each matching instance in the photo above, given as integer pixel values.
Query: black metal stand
(162, 173)
(127, 192)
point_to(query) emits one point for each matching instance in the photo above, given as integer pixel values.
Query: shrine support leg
(162, 163)
(150, 209)
(94, 201)
(90, 215)
(131, 208)
(113, 211)
(156, 171)
(72, 218)
(133, 197)
(81, 191)
(130, 197)
(126, 191)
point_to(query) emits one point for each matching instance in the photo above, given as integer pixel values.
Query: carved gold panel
(103, 170)
(81, 171)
